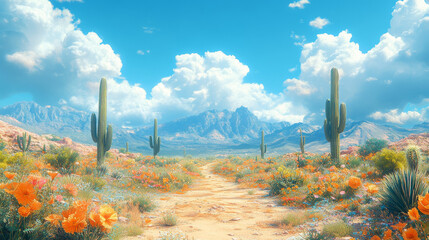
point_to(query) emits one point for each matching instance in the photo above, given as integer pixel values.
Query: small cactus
(263, 146)
(413, 157)
(155, 143)
(302, 142)
(23, 143)
(126, 150)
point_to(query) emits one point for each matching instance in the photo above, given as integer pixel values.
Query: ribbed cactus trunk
(302, 142)
(23, 143)
(99, 135)
(335, 121)
(413, 157)
(155, 143)
(126, 150)
(263, 146)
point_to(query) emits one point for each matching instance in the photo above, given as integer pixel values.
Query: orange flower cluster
(104, 218)
(354, 182)
(74, 219)
(25, 194)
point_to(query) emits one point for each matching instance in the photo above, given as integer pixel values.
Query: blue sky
(171, 59)
(257, 33)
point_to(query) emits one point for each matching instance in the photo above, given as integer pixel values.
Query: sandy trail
(216, 209)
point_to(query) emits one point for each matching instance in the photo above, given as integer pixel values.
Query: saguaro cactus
(413, 157)
(102, 137)
(302, 142)
(263, 146)
(23, 143)
(155, 143)
(126, 150)
(335, 121)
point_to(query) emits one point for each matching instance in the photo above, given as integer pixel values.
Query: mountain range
(210, 132)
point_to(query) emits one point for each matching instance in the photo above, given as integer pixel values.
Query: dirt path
(216, 209)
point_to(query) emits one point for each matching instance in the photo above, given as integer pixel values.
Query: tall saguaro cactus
(126, 150)
(23, 143)
(155, 143)
(335, 121)
(263, 146)
(302, 142)
(99, 135)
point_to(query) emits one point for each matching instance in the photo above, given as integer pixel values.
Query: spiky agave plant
(401, 189)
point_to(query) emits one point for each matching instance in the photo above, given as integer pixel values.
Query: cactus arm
(327, 131)
(265, 148)
(328, 110)
(94, 127)
(28, 143)
(19, 142)
(150, 142)
(342, 118)
(108, 139)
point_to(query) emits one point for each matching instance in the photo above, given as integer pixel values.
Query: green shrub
(169, 219)
(96, 183)
(122, 150)
(191, 167)
(63, 159)
(101, 171)
(2, 145)
(285, 178)
(401, 189)
(313, 234)
(388, 161)
(116, 175)
(337, 229)
(144, 203)
(372, 145)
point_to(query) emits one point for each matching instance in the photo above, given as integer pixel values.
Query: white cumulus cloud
(389, 76)
(319, 22)
(298, 4)
(394, 116)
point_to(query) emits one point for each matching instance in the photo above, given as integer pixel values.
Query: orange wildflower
(9, 175)
(372, 189)
(35, 205)
(24, 193)
(147, 221)
(423, 204)
(108, 216)
(354, 182)
(410, 234)
(74, 223)
(24, 211)
(375, 237)
(387, 235)
(52, 174)
(10, 187)
(414, 214)
(399, 226)
(54, 219)
(52, 200)
(94, 219)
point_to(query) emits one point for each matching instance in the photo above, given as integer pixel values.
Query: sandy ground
(216, 209)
